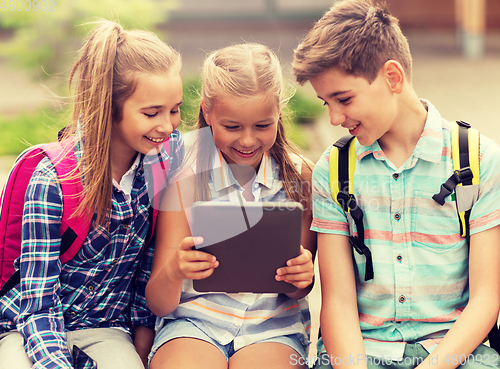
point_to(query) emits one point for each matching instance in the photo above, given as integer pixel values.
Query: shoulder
(322, 165)
(303, 165)
(307, 170)
(44, 185)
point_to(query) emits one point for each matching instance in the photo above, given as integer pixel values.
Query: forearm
(47, 349)
(342, 336)
(163, 294)
(465, 335)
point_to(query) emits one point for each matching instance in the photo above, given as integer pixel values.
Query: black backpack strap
(494, 338)
(348, 202)
(67, 240)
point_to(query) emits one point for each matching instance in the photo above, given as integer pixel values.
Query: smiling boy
(432, 299)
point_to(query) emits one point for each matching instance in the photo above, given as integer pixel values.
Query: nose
(247, 138)
(165, 127)
(337, 117)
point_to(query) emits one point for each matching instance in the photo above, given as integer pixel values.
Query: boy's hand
(187, 263)
(299, 271)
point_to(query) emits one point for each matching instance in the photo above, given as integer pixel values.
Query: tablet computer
(250, 240)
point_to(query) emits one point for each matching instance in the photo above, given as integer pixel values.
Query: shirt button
(114, 261)
(91, 288)
(402, 299)
(397, 216)
(395, 175)
(399, 258)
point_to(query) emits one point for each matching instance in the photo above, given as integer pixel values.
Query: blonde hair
(104, 76)
(357, 37)
(246, 70)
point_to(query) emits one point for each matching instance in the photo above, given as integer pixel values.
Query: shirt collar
(429, 146)
(223, 178)
(159, 154)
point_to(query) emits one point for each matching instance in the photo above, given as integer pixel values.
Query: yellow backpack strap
(341, 173)
(465, 178)
(342, 166)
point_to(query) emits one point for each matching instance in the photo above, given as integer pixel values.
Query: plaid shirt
(102, 286)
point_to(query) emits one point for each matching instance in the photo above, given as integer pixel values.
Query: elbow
(159, 306)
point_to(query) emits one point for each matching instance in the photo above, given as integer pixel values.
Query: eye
(262, 126)
(151, 115)
(345, 101)
(325, 103)
(231, 128)
(175, 111)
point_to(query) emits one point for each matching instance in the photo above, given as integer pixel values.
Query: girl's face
(244, 128)
(150, 114)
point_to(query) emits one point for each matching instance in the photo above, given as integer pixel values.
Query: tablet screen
(250, 242)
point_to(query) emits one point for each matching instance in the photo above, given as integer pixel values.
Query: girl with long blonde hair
(240, 136)
(91, 311)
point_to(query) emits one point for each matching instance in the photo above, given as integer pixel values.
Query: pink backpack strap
(74, 229)
(11, 212)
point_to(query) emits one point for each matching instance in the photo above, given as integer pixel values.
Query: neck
(120, 165)
(399, 143)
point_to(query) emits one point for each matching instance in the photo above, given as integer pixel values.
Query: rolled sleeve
(41, 319)
(485, 213)
(328, 217)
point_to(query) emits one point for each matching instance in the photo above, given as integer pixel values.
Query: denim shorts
(184, 328)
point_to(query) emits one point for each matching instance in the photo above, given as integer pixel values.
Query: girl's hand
(187, 263)
(299, 271)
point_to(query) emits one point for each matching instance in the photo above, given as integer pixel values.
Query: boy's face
(367, 110)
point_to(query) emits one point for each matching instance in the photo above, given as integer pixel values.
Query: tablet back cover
(250, 243)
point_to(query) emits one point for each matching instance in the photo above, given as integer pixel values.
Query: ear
(394, 75)
(206, 115)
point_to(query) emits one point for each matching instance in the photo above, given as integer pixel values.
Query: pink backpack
(74, 230)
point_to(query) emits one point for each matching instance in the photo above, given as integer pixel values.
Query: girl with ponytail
(91, 311)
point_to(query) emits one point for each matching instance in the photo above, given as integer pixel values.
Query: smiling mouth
(156, 140)
(353, 128)
(245, 152)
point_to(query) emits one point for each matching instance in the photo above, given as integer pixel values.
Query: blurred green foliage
(43, 38)
(25, 129)
(304, 108)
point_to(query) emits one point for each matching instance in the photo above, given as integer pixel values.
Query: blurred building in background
(197, 26)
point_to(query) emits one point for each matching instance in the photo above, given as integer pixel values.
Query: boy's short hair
(355, 36)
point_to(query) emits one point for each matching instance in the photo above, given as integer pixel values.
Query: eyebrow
(226, 121)
(335, 94)
(160, 106)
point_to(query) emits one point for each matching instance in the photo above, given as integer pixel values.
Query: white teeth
(157, 140)
(246, 152)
